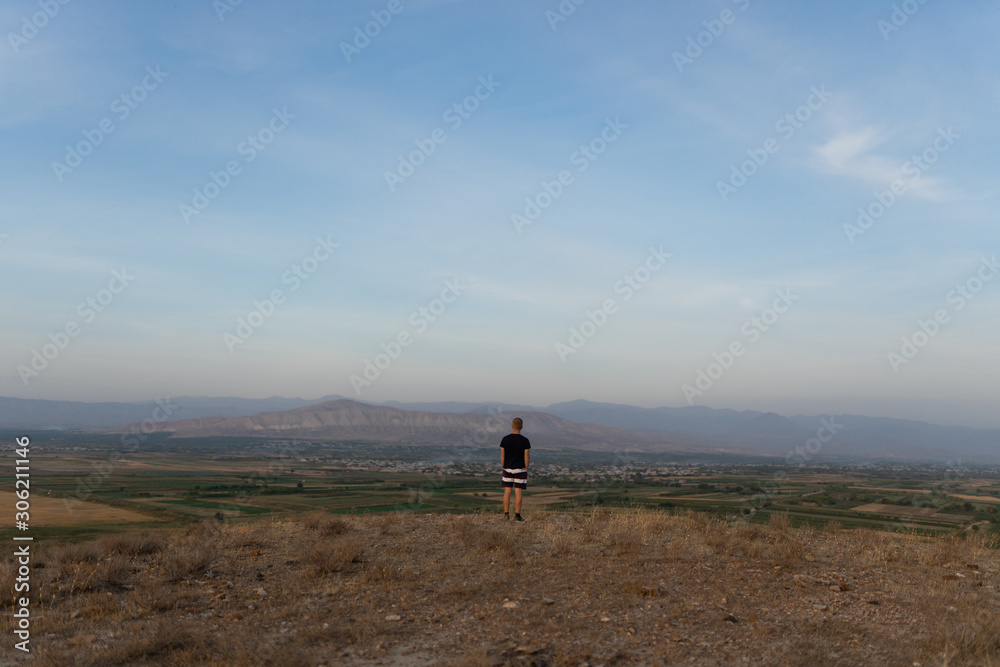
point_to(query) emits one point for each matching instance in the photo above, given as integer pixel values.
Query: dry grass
(49, 511)
(625, 587)
(325, 558)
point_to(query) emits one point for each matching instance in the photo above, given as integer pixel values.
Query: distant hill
(40, 414)
(350, 420)
(860, 439)
(857, 437)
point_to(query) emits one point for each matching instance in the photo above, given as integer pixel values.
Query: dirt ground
(603, 588)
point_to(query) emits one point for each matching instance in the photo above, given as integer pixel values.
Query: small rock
(393, 617)
(875, 602)
(510, 605)
(835, 588)
(605, 619)
(810, 559)
(236, 616)
(548, 601)
(650, 591)
(951, 609)
(821, 607)
(731, 619)
(260, 591)
(528, 650)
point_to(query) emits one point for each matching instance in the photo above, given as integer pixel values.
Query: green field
(168, 482)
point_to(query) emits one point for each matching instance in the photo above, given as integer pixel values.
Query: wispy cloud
(852, 154)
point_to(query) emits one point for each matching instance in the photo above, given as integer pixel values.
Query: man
(514, 459)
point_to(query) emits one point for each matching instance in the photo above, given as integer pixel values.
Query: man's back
(513, 446)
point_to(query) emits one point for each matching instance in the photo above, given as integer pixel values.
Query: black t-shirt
(513, 446)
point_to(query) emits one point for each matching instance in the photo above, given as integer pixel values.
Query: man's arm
(527, 458)
(501, 457)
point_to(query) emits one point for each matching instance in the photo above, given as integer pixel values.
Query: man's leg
(517, 501)
(506, 499)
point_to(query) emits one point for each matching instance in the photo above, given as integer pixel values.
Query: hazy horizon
(769, 206)
(540, 406)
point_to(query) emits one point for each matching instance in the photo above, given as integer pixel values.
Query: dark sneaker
(506, 516)
(517, 517)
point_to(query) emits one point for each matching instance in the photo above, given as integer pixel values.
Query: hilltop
(599, 588)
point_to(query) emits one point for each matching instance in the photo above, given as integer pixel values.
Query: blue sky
(663, 132)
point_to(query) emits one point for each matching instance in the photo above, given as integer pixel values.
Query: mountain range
(821, 437)
(346, 420)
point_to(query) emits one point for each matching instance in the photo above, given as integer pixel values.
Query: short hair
(517, 423)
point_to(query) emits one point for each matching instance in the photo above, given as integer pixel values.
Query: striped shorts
(515, 477)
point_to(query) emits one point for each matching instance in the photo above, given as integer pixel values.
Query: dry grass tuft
(779, 522)
(187, 558)
(325, 558)
(130, 545)
(84, 552)
(325, 524)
